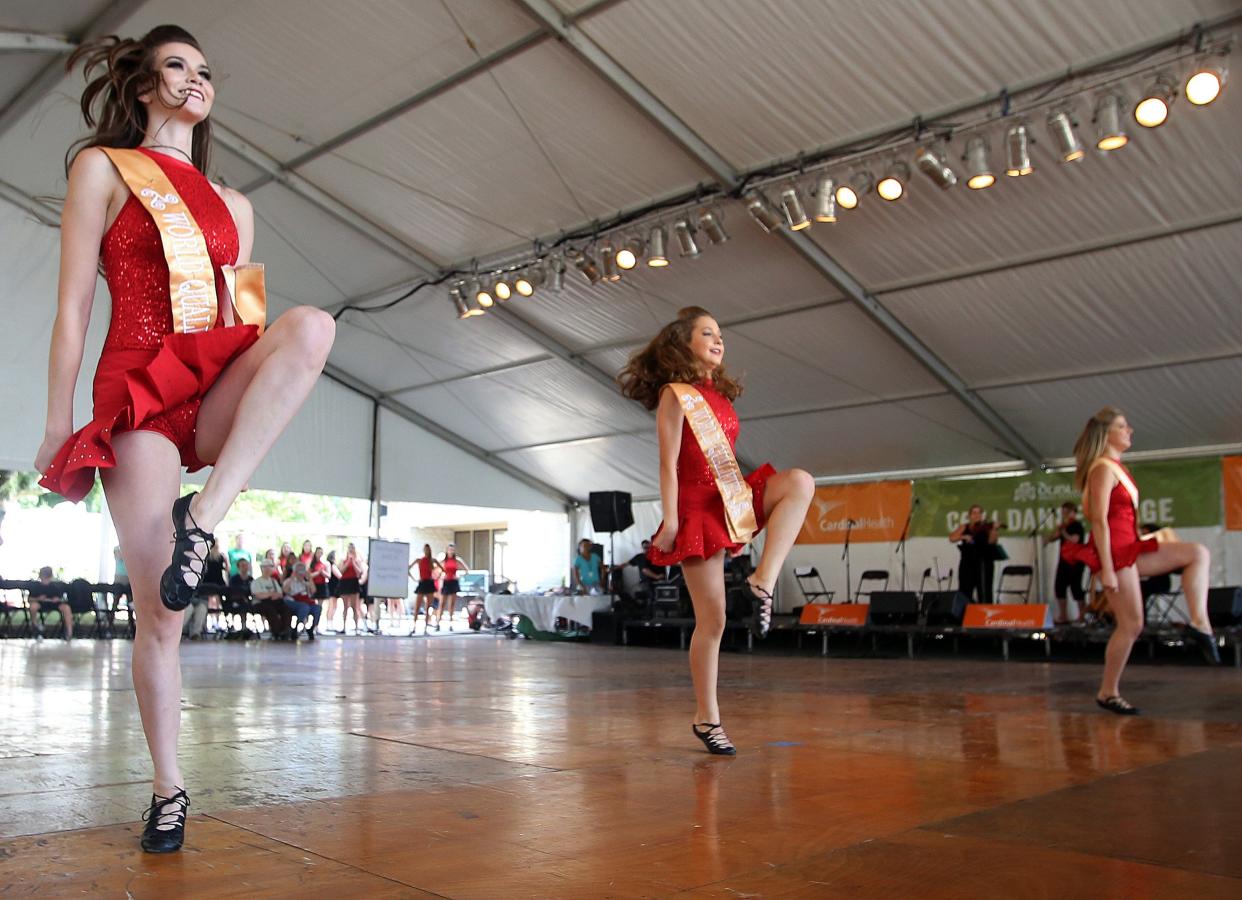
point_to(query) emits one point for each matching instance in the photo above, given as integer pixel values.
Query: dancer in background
(186, 369)
(453, 566)
(1117, 554)
(353, 571)
(709, 509)
(425, 590)
(1068, 579)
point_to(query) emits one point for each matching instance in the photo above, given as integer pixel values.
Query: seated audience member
(237, 599)
(207, 596)
(648, 574)
(269, 597)
(51, 593)
(587, 574)
(299, 597)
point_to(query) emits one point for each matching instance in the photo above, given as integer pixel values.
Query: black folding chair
(1022, 576)
(875, 576)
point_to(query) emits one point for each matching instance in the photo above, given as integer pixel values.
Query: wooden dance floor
(473, 766)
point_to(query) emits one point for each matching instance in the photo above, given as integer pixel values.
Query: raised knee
(1203, 556)
(803, 481)
(316, 328)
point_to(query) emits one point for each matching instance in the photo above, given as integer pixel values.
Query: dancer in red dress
(680, 374)
(186, 368)
(425, 590)
(1119, 557)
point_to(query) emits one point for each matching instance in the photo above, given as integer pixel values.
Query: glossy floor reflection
(480, 767)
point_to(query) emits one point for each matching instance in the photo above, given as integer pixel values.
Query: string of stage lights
(840, 180)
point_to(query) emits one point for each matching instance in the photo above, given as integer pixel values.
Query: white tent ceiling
(387, 140)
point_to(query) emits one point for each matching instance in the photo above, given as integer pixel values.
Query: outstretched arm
(91, 183)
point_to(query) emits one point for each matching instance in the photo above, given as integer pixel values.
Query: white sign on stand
(389, 563)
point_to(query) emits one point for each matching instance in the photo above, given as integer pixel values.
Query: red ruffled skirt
(702, 530)
(147, 390)
(1125, 552)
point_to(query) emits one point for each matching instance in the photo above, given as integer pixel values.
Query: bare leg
(1062, 610)
(1195, 561)
(238, 424)
(140, 489)
(1127, 605)
(786, 497)
(705, 579)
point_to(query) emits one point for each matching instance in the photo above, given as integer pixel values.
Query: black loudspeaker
(605, 627)
(894, 608)
(944, 607)
(610, 511)
(1224, 606)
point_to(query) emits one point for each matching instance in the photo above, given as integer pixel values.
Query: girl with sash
(1119, 557)
(187, 366)
(710, 508)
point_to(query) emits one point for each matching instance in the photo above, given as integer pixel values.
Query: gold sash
(192, 283)
(739, 505)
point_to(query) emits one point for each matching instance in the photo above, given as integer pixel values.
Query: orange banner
(851, 614)
(1231, 474)
(877, 508)
(1007, 615)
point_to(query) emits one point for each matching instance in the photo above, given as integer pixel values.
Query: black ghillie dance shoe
(175, 591)
(165, 818)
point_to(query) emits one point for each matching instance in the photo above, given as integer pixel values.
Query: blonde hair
(1092, 443)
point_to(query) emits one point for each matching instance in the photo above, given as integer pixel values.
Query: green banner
(1182, 493)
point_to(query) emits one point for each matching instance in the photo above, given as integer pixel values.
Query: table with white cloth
(544, 609)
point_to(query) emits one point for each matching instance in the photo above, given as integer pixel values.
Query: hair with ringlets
(127, 70)
(668, 360)
(1092, 443)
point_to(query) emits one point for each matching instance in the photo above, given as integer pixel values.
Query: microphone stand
(901, 544)
(849, 525)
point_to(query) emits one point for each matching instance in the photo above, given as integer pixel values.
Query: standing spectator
(239, 552)
(306, 555)
(588, 571)
(453, 566)
(353, 572)
(286, 560)
(319, 573)
(976, 539)
(1069, 574)
(334, 587)
(270, 598)
(50, 592)
(299, 598)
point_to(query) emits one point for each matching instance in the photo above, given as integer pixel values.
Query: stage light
(826, 199)
(529, 280)
(608, 262)
(850, 193)
(583, 262)
(712, 226)
(630, 252)
(482, 297)
(933, 162)
(457, 293)
(762, 213)
(657, 239)
(795, 215)
(501, 289)
(1018, 150)
(1152, 110)
(978, 167)
(893, 185)
(1206, 83)
(684, 234)
(1061, 127)
(1110, 134)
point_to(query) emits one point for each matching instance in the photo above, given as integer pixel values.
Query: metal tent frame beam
(655, 110)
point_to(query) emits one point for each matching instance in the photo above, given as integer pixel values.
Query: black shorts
(450, 586)
(349, 586)
(321, 591)
(1069, 579)
(426, 586)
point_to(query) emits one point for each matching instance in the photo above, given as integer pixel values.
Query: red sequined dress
(701, 529)
(1123, 537)
(150, 378)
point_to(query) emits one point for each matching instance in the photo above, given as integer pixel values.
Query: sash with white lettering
(739, 505)
(192, 283)
(1161, 536)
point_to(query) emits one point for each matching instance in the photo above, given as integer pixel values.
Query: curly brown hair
(128, 72)
(667, 360)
